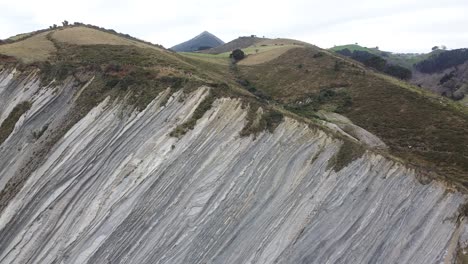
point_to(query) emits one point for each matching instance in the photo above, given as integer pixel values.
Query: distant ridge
(205, 40)
(239, 43)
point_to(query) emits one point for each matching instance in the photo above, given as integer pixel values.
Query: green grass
(349, 152)
(201, 109)
(9, 123)
(268, 121)
(212, 58)
(352, 47)
(19, 36)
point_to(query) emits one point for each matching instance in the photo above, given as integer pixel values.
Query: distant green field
(353, 47)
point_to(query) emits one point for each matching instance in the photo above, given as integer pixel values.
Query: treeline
(378, 63)
(441, 61)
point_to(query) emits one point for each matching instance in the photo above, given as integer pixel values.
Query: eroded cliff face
(116, 188)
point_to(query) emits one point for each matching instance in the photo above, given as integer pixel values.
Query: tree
(237, 55)
(65, 23)
(435, 48)
(398, 71)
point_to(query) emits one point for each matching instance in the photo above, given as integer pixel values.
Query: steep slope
(117, 188)
(203, 41)
(125, 154)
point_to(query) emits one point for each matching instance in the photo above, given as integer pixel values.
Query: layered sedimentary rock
(116, 188)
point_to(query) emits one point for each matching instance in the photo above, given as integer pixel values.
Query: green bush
(237, 55)
(9, 123)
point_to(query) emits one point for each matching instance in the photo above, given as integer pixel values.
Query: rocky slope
(117, 188)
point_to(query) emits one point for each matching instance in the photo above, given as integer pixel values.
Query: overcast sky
(396, 25)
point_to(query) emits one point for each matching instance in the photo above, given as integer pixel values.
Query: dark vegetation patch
(398, 71)
(377, 62)
(338, 101)
(9, 123)
(5, 59)
(442, 60)
(249, 86)
(447, 77)
(237, 55)
(426, 132)
(38, 133)
(201, 109)
(268, 121)
(349, 152)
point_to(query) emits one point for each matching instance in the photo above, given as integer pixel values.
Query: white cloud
(398, 25)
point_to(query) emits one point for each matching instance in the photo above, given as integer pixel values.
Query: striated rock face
(118, 189)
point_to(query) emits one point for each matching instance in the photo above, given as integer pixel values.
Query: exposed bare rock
(118, 189)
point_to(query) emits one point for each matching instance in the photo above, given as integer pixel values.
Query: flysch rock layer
(118, 189)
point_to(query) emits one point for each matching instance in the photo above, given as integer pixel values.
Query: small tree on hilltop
(65, 23)
(435, 48)
(237, 55)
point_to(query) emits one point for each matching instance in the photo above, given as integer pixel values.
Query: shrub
(237, 55)
(202, 108)
(345, 52)
(338, 66)
(398, 71)
(349, 152)
(318, 55)
(9, 123)
(446, 78)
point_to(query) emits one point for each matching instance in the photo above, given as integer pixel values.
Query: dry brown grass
(265, 56)
(19, 36)
(35, 48)
(282, 41)
(89, 36)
